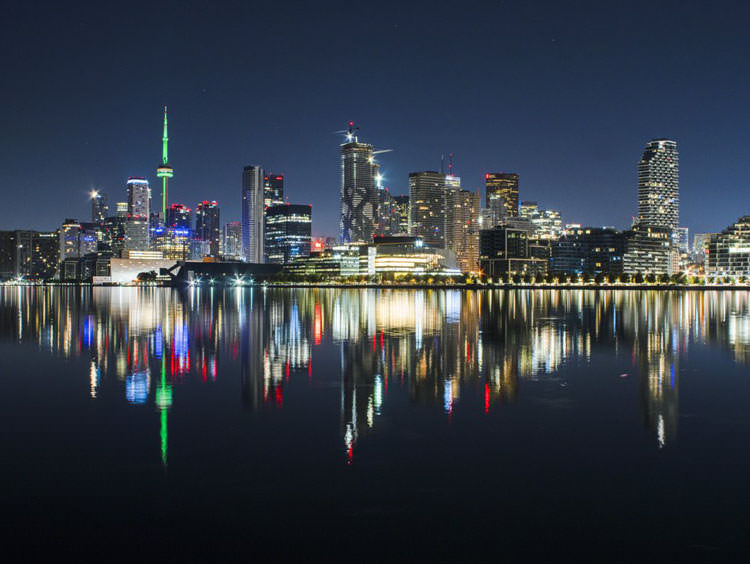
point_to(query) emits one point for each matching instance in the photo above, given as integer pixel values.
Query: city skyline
(570, 130)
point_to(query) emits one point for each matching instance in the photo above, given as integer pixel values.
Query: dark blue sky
(565, 95)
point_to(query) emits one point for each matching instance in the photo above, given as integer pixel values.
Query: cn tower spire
(164, 171)
(164, 141)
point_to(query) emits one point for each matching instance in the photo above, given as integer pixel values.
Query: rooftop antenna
(442, 163)
(450, 164)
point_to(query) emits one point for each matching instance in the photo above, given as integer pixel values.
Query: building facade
(588, 250)
(502, 194)
(208, 225)
(233, 240)
(427, 207)
(273, 189)
(359, 195)
(648, 250)
(658, 184)
(253, 213)
(462, 227)
(728, 252)
(288, 232)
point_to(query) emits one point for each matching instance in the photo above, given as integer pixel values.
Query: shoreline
(327, 285)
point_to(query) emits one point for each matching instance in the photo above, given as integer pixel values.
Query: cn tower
(164, 171)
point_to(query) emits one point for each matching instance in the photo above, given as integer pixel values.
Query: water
(375, 424)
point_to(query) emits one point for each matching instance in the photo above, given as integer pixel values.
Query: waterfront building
(288, 232)
(173, 243)
(394, 256)
(359, 194)
(502, 194)
(648, 250)
(505, 250)
(208, 225)
(658, 184)
(588, 250)
(273, 189)
(232, 248)
(253, 213)
(728, 252)
(462, 227)
(427, 207)
(45, 255)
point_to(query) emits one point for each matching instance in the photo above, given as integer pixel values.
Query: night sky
(564, 95)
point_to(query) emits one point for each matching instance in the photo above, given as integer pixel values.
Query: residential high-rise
(273, 189)
(253, 213)
(359, 195)
(658, 184)
(462, 227)
(208, 225)
(233, 240)
(288, 232)
(99, 207)
(164, 171)
(502, 194)
(427, 207)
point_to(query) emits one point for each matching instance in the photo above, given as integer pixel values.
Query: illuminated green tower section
(165, 172)
(163, 403)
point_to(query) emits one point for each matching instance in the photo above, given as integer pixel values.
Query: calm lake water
(385, 425)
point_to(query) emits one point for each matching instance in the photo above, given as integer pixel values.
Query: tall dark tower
(359, 193)
(165, 172)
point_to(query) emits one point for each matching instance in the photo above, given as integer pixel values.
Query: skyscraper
(389, 215)
(164, 171)
(427, 206)
(288, 229)
(208, 225)
(273, 189)
(502, 194)
(253, 213)
(462, 227)
(359, 195)
(139, 198)
(658, 184)
(99, 207)
(139, 207)
(178, 215)
(232, 240)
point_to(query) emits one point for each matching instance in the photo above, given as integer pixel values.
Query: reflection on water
(435, 345)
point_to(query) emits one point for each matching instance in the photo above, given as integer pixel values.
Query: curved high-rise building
(658, 184)
(359, 192)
